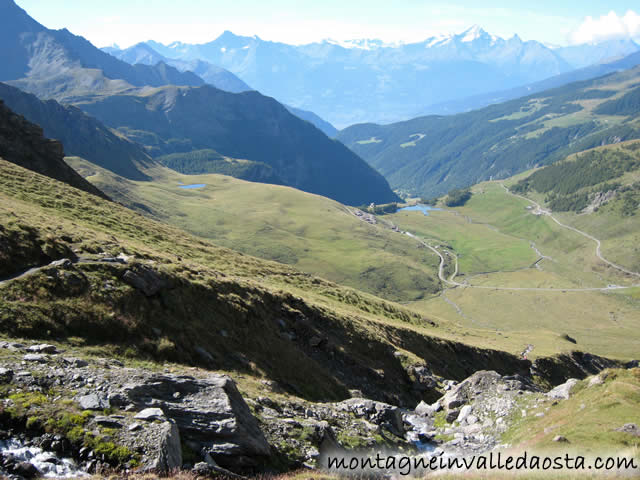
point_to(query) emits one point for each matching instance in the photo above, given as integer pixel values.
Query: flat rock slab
(108, 422)
(43, 348)
(93, 401)
(76, 362)
(150, 414)
(35, 357)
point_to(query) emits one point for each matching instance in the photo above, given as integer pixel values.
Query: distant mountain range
(368, 80)
(431, 155)
(143, 53)
(167, 112)
(479, 101)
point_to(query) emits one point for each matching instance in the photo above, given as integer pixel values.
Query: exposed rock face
(598, 199)
(563, 392)
(386, 416)
(211, 415)
(560, 368)
(23, 143)
(93, 401)
(145, 279)
(480, 384)
(169, 452)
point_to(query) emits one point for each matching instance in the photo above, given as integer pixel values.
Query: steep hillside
(80, 134)
(57, 64)
(328, 129)
(431, 155)
(204, 298)
(213, 75)
(244, 126)
(23, 143)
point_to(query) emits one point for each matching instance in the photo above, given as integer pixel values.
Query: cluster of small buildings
(367, 217)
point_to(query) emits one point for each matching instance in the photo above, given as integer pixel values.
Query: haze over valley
(223, 255)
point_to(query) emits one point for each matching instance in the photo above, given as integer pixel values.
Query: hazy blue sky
(126, 22)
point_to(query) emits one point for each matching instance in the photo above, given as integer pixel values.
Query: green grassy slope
(312, 233)
(590, 420)
(491, 236)
(238, 308)
(603, 190)
(500, 140)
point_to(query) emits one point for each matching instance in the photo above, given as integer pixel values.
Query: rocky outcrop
(152, 414)
(560, 368)
(24, 144)
(386, 416)
(211, 415)
(563, 392)
(145, 279)
(169, 451)
(471, 416)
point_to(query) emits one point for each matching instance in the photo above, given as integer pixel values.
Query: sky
(126, 22)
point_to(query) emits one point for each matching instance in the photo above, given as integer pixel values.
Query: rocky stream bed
(67, 416)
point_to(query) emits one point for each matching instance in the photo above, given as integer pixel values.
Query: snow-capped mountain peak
(362, 43)
(473, 33)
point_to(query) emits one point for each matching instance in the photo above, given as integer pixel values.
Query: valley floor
(515, 276)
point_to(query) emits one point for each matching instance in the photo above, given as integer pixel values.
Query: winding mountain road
(453, 284)
(584, 234)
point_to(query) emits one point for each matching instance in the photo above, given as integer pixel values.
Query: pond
(193, 185)
(420, 207)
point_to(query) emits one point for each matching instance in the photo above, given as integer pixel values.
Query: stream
(14, 452)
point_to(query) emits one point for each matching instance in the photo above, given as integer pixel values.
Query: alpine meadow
(319, 240)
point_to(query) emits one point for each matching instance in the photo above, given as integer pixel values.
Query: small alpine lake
(425, 209)
(193, 185)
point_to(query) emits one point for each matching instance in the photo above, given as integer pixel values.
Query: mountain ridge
(213, 75)
(431, 155)
(388, 79)
(81, 135)
(181, 119)
(69, 69)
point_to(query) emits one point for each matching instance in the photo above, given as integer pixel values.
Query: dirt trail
(79, 261)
